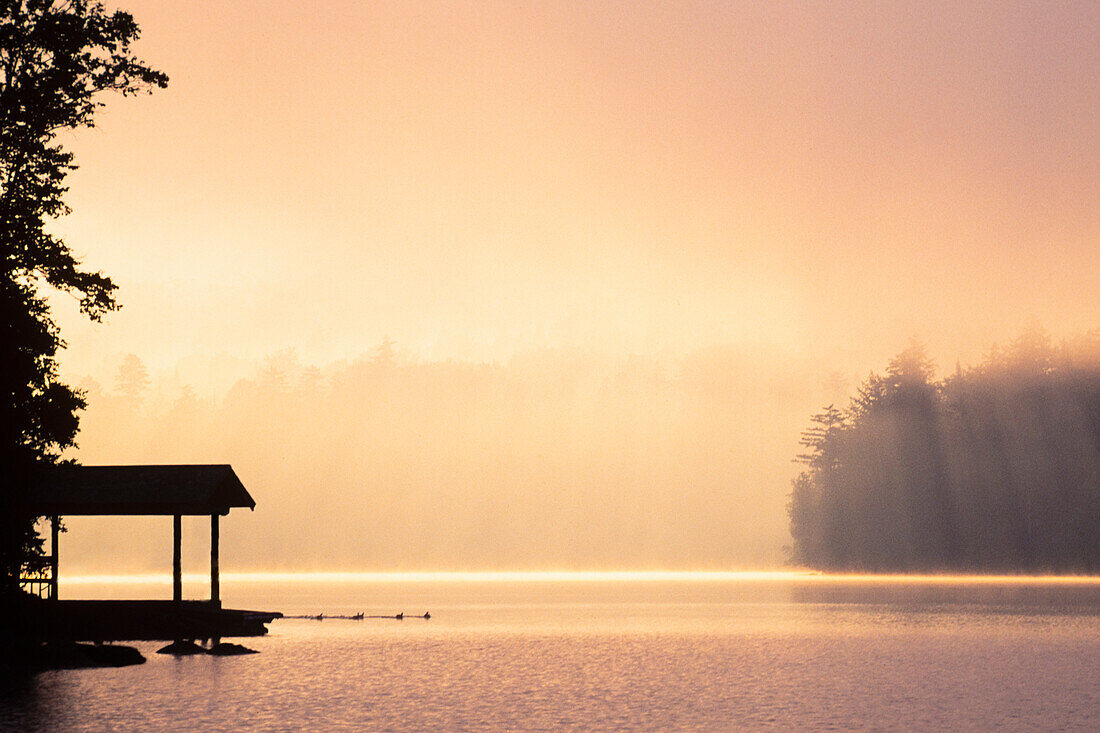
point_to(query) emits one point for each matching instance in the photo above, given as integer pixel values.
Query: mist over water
(633, 248)
(557, 458)
(629, 253)
(564, 458)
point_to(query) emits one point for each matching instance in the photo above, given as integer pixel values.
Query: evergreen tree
(996, 468)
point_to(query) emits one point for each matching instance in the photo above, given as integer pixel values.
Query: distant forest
(995, 468)
(553, 458)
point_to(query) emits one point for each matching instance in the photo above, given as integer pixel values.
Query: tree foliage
(56, 61)
(993, 469)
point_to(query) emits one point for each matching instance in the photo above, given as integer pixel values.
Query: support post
(215, 583)
(177, 562)
(54, 531)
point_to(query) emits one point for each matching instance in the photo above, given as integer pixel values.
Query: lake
(600, 651)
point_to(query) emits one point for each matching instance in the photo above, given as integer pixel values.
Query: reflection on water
(655, 653)
(1009, 597)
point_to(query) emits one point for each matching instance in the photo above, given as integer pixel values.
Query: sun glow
(584, 576)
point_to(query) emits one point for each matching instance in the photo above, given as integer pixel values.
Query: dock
(55, 620)
(159, 490)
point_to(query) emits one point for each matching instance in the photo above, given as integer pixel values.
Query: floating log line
(357, 616)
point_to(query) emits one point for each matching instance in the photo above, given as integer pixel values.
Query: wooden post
(215, 583)
(177, 562)
(54, 522)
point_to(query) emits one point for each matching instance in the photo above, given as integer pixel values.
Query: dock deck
(55, 620)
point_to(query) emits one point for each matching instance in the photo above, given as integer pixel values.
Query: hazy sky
(475, 179)
(804, 184)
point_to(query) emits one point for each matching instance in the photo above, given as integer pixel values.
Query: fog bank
(556, 459)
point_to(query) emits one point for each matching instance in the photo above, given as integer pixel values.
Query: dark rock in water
(114, 656)
(76, 656)
(182, 649)
(226, 649)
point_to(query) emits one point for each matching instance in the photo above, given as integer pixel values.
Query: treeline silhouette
(995, 468)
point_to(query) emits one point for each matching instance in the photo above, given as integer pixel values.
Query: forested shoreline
(995, 468)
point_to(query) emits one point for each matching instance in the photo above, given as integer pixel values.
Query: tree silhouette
(56, 61)
(995, 468)
(132, 379)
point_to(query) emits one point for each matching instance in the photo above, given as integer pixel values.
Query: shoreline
(586, 576)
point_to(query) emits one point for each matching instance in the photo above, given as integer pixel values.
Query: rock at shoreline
(181, 649)
(227, 649)
(77, 656)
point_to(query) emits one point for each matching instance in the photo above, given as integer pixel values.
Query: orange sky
(817, 182)
(477, 179)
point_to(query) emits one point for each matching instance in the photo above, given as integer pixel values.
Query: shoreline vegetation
(993, 469)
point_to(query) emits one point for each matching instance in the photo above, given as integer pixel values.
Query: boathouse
(175, 491)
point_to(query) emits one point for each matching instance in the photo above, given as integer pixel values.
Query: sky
(807, 186)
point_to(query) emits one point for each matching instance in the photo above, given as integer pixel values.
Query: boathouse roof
(156, 490)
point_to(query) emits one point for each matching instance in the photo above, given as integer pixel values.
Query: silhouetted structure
(174, 491)
(60, 59)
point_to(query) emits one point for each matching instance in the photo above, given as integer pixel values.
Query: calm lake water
(715, 652)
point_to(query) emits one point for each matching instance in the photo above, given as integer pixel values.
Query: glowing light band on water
(577, 576)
